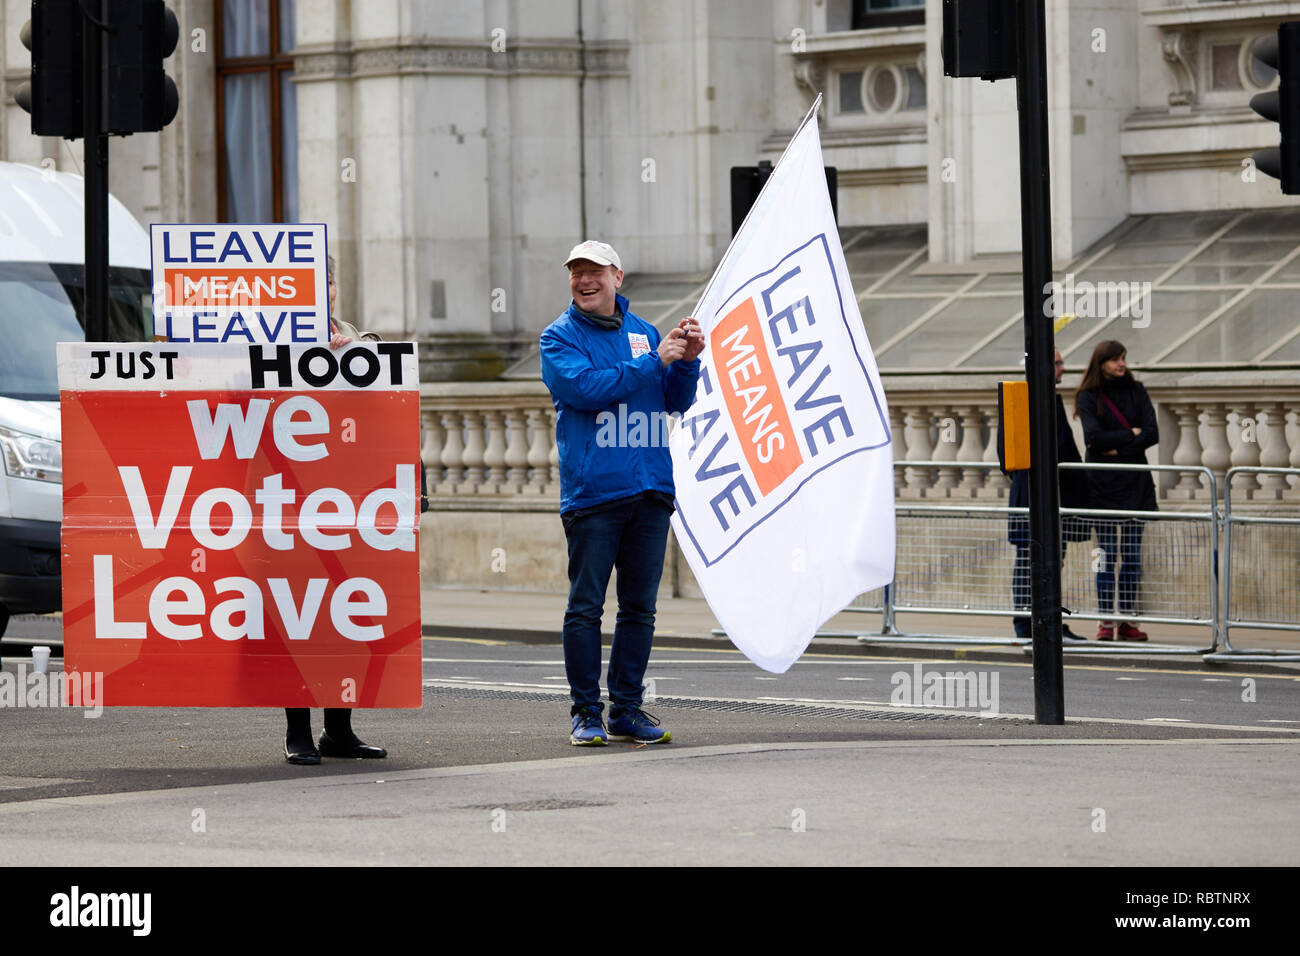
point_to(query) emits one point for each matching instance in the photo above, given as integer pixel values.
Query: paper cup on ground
(40, 658)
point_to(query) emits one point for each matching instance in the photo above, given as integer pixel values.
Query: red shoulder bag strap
(1114, 411)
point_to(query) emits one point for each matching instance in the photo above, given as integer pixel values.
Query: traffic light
(747, 182)
(979, 38)
(1282, 106)
(53, 95)
(142, 98)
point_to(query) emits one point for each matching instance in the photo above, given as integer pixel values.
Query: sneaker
(1106, 631)
(636, 725)
(588, 729)
(1130, 632)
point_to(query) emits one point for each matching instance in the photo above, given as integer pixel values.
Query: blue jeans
(1121, 542)
(629, 537)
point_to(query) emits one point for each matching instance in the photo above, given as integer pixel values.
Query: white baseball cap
(601, 253)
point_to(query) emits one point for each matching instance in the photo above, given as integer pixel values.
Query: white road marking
(840, 660)
(488, 685)
(1130, 678)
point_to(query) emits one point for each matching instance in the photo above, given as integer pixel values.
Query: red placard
(242, 546)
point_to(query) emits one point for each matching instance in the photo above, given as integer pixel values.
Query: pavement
(484, 775)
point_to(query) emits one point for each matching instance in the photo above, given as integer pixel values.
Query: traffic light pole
(1036, 245)
(94, 96)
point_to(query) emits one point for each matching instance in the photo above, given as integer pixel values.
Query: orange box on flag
(753, 396)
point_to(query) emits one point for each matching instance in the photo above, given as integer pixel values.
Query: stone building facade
(457, 149)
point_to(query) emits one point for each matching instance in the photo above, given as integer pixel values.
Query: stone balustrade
(491, 445)
(489, 441)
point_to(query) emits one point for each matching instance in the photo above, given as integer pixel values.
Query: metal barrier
(958, 560)
(1261, 565)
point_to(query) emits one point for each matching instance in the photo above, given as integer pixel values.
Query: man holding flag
(604, 364)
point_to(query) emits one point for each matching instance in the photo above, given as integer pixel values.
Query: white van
(42, 291)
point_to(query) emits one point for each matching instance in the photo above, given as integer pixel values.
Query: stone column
(1273, 450)
(1217, 454)
(1188, 452)
(916, 480)
(971, 450)
(452, 451)
(945, 449)
(330, 181)
(494, 455)
(472, 457)
(1246, 454)
(539, 449)
(431, 450)
(187, 146)
(516, 450)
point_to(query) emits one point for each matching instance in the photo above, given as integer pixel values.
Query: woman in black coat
(338, 739)
(1119, 425)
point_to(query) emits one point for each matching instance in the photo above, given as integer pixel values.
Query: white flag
(783, 466)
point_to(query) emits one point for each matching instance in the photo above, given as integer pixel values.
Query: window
(888, 88)
(257, 114)
(851, 92)
(887, 13)
(1225, 72)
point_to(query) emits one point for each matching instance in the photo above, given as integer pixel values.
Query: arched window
(257, 115)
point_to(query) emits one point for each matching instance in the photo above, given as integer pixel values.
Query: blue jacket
(607, 452)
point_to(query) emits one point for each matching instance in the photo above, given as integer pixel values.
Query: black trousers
(338, 722)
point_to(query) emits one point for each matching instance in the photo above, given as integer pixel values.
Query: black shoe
(302, 754)
(1069, 634)
(355, 747)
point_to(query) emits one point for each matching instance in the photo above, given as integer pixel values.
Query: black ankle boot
(298, 746)
(338, 740)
